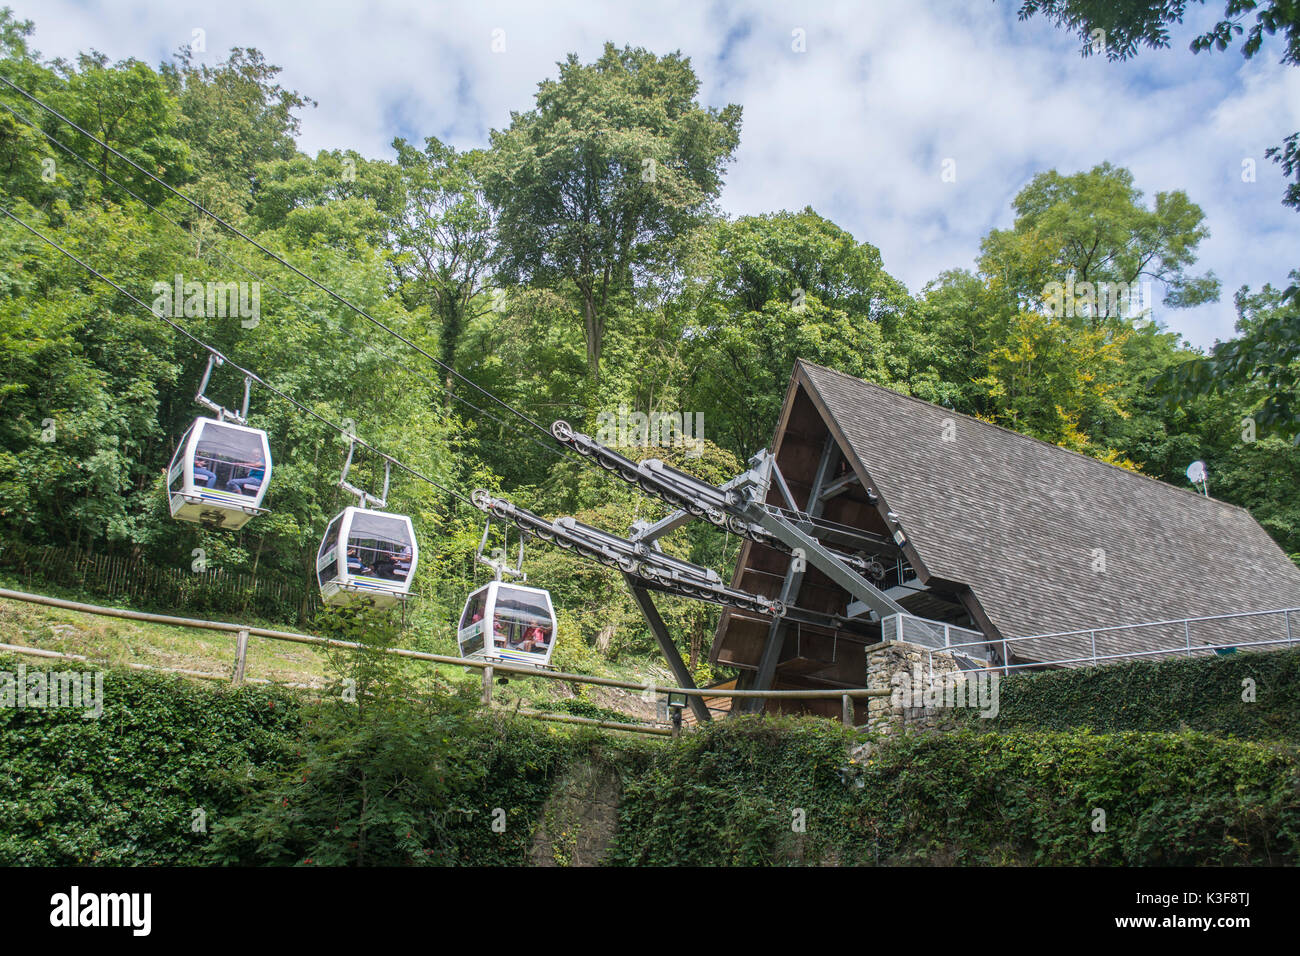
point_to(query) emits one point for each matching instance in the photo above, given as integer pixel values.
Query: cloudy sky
(857, 125)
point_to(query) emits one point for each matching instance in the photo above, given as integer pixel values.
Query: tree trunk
(453, 320)
(594, 328)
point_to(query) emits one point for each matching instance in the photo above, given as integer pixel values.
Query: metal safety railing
(1288, 632)
(937, 635)
(489, 669)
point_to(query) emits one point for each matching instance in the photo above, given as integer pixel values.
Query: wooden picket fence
(142, 584)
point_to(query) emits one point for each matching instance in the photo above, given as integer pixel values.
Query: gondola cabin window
(327, 559)
(472, 624)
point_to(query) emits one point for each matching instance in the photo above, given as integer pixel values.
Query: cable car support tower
(739, 506)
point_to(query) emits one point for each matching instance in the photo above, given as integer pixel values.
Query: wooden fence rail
(489, 668)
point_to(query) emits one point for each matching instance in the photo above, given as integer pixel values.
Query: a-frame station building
(971, 525)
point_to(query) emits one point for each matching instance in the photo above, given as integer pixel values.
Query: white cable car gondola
(507, 622)
(366, 554)
(222, 467)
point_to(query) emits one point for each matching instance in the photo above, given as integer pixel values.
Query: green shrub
(1203, 693)
(123, 789)
(728, 794)
(405, 785)
(1168, 799)
(581, 707)
(402, 780)
(389, 777)
(733, 794)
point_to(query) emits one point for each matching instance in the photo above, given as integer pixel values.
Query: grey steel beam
(790, 586)
(766, 672)
(641, 560)
(728, 506)
(780, 481)
(794, 615)
(814, 551)
(647, 531)
(846, 537)
(667, 647)
(826, 562)
(838, 486)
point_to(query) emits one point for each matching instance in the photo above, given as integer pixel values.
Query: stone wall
(580, 818)
(908, 671)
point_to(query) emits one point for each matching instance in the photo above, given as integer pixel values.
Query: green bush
(733, 793)
(123, 789)
(1203, 693)
(388, 776)
(729, 793)
(581, 707)
(392, 779)
(419, 784)
(1033, 798)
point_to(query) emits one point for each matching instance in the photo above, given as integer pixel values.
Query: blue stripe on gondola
(224, 496)
(374, 586)
(522, 658)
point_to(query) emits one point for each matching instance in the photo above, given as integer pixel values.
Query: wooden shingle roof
(1026, 525)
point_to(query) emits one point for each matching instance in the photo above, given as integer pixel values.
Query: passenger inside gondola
(522, 622)
(204, 474)
(382, 562)
(402, 563)
(535, 639)
(383, 544)
(249, 484)
(474, 610)
(355, 564)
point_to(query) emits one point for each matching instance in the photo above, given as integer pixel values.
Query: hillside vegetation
(120, 642)
(575, 265)
(176, 772)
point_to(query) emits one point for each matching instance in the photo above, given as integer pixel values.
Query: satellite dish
(1196, 473)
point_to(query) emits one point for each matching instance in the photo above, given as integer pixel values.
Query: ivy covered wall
(280, 780)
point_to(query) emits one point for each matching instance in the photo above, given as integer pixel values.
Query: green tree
(1092, 228)
(339, 200)
(1260, 368)
(25, 155)
(81, 438)
(1049, 378)
(616, 163)
(234, 117)
(785, 286)
(442, 231)
(1263, 476)
(128, 107)
(1162, 437)
(1003, 345)
(1264, 355)
(941, 342)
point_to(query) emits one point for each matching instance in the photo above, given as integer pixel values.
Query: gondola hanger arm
(496, 559)
(364, 498)
(222, 413)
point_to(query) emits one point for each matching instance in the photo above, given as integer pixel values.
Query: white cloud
(857, 126)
